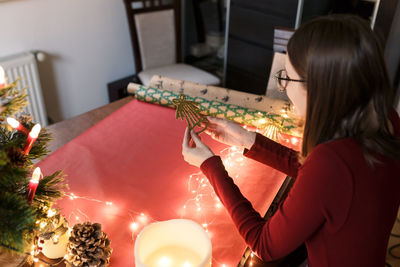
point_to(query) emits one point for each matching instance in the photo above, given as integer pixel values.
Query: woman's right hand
(230, 133)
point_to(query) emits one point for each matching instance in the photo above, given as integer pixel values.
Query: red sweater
(342, 209)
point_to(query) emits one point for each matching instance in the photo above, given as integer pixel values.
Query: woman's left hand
(196, 154)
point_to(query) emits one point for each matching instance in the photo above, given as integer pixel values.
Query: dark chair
(155, 33)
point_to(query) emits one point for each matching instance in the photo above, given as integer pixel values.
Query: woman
(345, 199)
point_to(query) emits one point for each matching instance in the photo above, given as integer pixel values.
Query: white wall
(88, 44)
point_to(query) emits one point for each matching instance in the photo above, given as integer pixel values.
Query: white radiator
(24, 65)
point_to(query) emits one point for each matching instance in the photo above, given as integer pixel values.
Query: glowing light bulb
(13, 122)
(36, 175)
(134, 226)
(262, 121)
(51, 213)
(108, 203)
(285, 116)
(32, 136)
(143, 218)
(35, 131)
(294, 140)
(187, 264)
(43, 225)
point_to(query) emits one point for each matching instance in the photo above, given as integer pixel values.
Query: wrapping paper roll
(235, 113)
(214, 93)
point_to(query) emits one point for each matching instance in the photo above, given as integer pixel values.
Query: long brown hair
(348, 89)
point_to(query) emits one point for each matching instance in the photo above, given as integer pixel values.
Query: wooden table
(65, 131)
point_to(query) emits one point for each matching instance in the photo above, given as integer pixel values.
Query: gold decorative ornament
(188, 110)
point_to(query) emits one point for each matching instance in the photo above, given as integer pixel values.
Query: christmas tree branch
(16, 220)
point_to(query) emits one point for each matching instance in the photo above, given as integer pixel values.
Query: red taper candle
(17, 125)
(33, 184)
(32, 136)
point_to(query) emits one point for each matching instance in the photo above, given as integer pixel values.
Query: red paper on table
(133, 158)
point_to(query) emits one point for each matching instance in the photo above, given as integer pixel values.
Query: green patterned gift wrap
(235, 113)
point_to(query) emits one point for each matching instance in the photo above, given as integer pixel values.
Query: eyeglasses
(282, 80)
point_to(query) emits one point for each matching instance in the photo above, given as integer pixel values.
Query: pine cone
(88, 246)
(16, 156)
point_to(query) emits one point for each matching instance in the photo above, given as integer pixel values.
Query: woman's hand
(195, 154)
(230, 133)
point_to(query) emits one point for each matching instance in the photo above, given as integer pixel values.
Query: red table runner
(133, 159)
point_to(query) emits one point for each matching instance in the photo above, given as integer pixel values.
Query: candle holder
(173, 243)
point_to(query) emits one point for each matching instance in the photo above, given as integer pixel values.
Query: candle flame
(164, 261)
(36, 175)
(13, 122)
(35, 131)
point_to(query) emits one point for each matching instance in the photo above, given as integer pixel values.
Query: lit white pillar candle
(174, 243)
